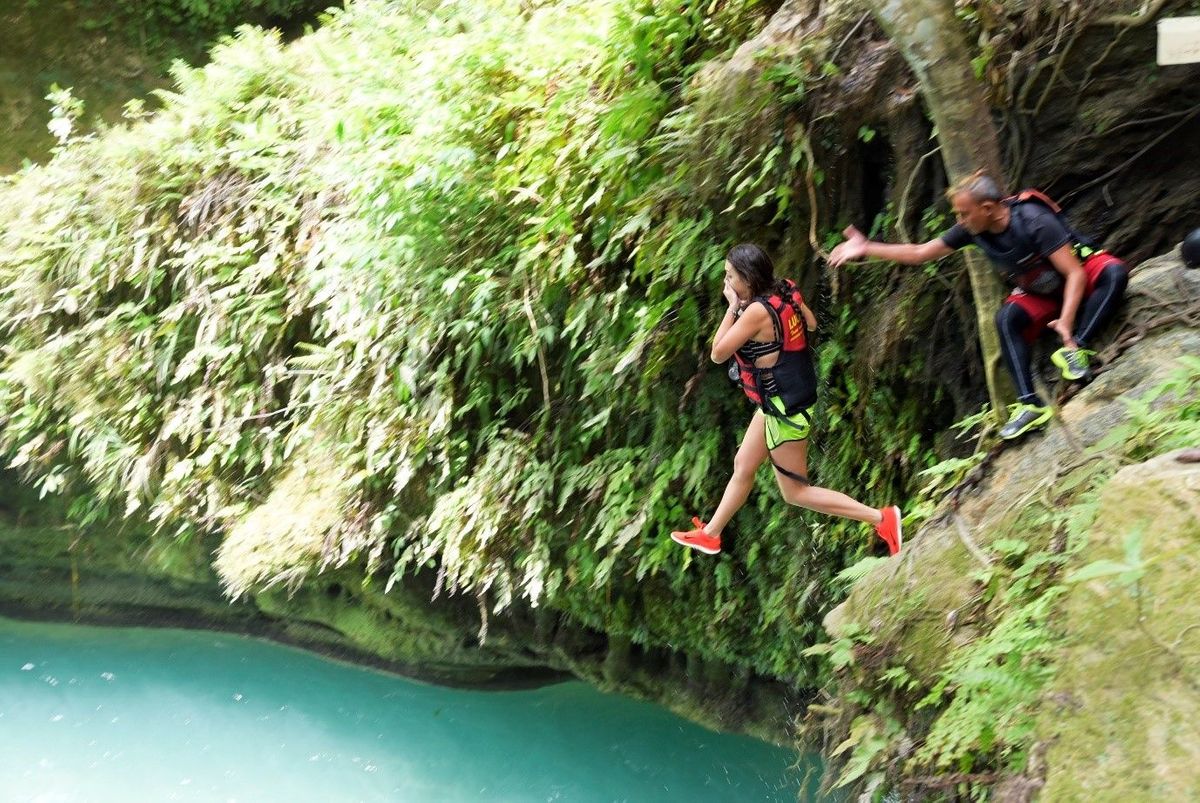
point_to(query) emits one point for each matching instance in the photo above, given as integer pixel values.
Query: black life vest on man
(1026, 266)
(793, 375)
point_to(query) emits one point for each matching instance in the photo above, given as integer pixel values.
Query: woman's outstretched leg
(750, 455)
(706, 538)
(793, 457)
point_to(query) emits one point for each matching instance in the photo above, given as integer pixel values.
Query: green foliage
(979, 64)
(458, 251)
(991, 688)
(1165, 418)
(869, 737)
(860, 569)
(65, 111)
(840, 652)
(1127, 573)
(978, 715)
(465, 255)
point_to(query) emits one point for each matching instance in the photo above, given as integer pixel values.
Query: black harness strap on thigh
(792, 475)
(800, 478)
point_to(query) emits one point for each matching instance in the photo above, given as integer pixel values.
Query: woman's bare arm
(732, 336)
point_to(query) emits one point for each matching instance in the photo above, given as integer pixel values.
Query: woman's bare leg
(750, 455)
(794, 457)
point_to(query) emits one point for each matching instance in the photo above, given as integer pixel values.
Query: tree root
(964, 535)
(1142, 152)
(1149, 12)
(902, 212)
(690, 386)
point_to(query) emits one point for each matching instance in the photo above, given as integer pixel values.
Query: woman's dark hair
(753, 265)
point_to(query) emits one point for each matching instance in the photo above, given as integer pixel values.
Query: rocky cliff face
(1039, 632)
(1120, 719)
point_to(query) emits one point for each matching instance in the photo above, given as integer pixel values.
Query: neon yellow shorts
(784, 429)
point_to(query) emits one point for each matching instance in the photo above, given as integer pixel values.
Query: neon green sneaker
(1075, 364)
(1025, 418)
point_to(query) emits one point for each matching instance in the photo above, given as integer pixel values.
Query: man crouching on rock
(1060, 279)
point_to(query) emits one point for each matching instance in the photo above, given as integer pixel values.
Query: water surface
(126, 714)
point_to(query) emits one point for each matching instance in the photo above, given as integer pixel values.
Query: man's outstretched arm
(857, 246)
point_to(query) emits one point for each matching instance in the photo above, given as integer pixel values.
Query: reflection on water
(101, 714)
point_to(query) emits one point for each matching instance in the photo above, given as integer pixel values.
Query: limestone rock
(1118, 723)
(1129, 731)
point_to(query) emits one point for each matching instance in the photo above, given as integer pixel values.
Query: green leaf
(859, 570)
(1097, 569)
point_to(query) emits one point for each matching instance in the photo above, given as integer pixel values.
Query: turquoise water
(122, 714)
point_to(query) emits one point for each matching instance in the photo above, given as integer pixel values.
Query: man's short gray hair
(980, 186)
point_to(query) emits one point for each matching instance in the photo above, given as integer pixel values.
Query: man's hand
(854, 247)
(1064, 331)
(1067, 264)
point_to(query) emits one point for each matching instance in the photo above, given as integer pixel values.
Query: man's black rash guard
(1040, 232)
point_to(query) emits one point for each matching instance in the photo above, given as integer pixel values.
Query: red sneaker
(697, 539)
(890, 529)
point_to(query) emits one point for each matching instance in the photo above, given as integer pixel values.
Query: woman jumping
(764, 330)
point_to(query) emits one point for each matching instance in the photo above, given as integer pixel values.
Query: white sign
(1179, 40)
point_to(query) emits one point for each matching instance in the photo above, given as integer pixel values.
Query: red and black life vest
(1027, 267)
(793, 377)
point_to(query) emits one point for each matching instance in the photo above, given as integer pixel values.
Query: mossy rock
(1121, 721)
(1115, 721)
(937, 563)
